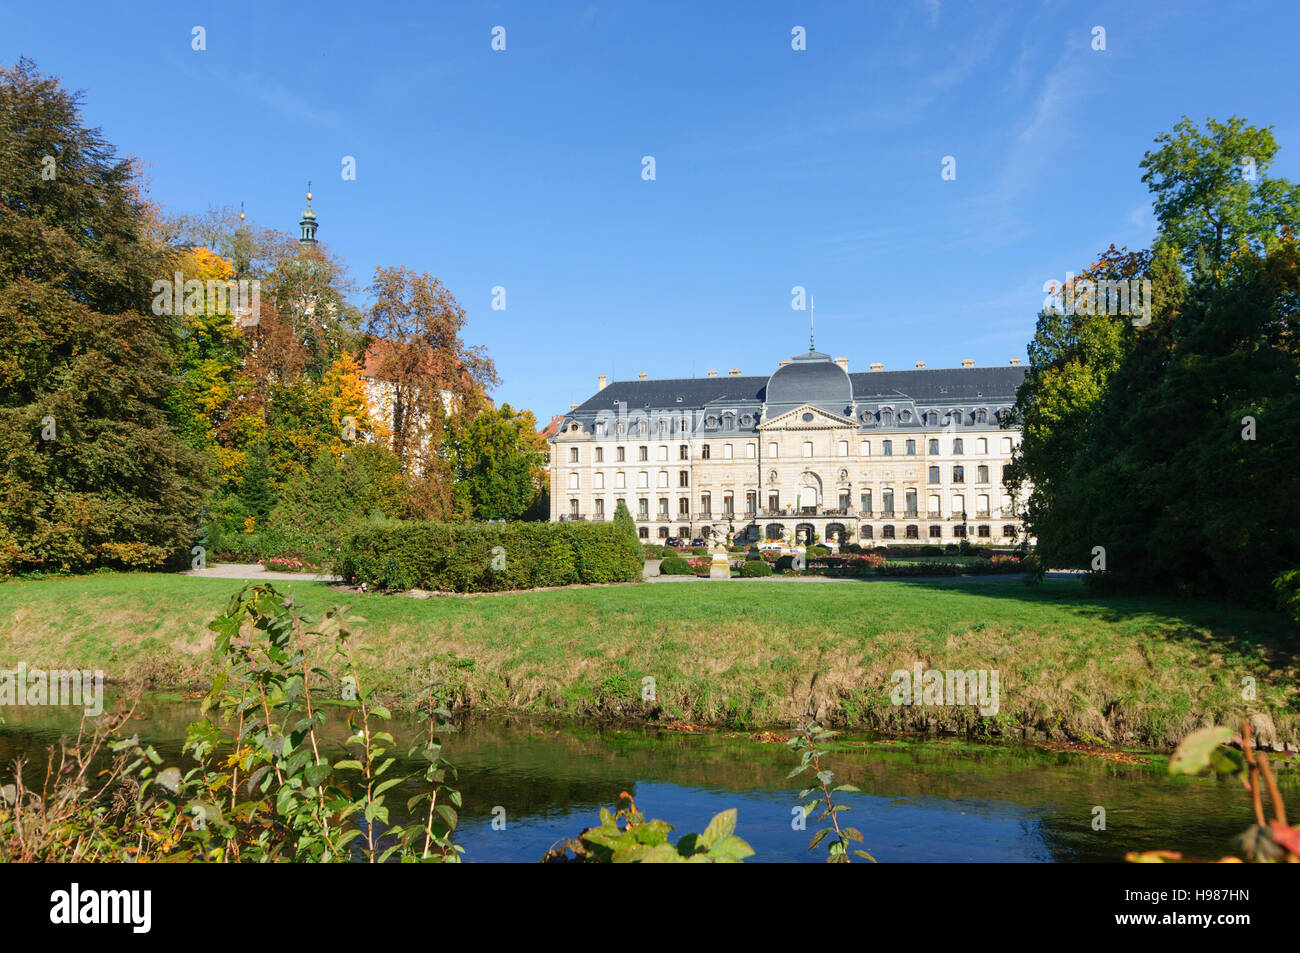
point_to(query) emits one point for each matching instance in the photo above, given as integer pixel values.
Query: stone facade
(881, 457)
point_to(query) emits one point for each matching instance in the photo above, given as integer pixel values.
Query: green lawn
(756, 652)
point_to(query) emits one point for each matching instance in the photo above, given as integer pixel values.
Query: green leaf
(721, 827)
(1193, 755)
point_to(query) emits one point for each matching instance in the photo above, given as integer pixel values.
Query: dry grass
(743, 654)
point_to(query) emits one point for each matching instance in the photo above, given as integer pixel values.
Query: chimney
(843, 362)
(1015, 362)
(782, 363)
(967, 362)
(641, 376)
(877, 367)
(713, 372)
(734, 372)
(920, 365)
(600, 382)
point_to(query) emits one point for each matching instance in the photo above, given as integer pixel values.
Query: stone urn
(720, 568)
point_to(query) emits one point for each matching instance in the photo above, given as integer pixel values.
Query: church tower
(308, 222)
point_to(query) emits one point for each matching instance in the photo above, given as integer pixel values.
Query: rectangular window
(726, 451)
(704, 452)
(573, 454)
(600, 454)
(957, 446)
(934, 447)
(982, 445)
(621, 455)
(643, 453)
(887, 447)
(683, 478)
(683, 452)
(958, 474)
(911, 448)
(600, 509)
(773, 501)
(663, 452)
(866, 448)
(771, 450)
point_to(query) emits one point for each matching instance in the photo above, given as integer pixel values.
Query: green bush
(674, 566)
(482, 557)
(755, 567)
(1287, 587)
(653, 551)
(818, 551)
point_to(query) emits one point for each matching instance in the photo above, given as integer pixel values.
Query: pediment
(819, 420)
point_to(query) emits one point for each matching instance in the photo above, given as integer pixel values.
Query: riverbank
(744, 654)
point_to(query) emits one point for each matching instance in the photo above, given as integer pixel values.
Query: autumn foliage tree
(428, 374)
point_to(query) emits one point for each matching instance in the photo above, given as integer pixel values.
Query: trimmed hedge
(462, 557)
(674, 566)
(755, 567)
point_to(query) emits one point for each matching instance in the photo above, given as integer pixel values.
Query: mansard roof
(948, 386)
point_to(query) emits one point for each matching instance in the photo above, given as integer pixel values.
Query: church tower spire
(308, 222)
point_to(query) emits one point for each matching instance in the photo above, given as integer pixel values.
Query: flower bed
(288, 564)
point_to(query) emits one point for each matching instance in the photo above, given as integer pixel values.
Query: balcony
(572, 517)
(643, 517)
(663, 518)
(704, 515)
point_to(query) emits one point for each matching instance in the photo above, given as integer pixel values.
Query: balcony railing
(664, 518)
(572, 517)
(643, 517)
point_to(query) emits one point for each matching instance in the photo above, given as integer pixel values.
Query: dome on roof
(810, 378)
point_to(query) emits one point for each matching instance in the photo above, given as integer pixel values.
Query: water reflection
(925, 801)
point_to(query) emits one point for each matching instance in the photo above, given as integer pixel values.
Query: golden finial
(309, 193)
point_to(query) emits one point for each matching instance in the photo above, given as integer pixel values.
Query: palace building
(873, 457)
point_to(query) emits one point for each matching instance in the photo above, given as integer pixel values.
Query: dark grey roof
(946, 385)
(942, 385)
(694, 392)
(810, 378)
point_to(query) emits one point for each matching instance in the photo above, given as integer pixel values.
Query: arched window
(600, 481)
(886, 417)
(888, 532)
(726, 451)
(771, 449)
(573, 481)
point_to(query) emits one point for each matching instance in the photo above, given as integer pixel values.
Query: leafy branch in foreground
(628, 838)
(805, 742)
(264, 787)
(1267, 840)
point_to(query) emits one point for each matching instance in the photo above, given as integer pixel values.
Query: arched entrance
(810, 492)
(803, 533)
(773, 531)
(836, 532)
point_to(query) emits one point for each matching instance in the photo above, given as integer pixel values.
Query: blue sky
(774, 168)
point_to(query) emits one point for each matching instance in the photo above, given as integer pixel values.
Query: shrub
(674, 566)
(755, 567)
(1287, 587)
(699, 550)
(818, 551)
(480, 557)
(653, 551)
(701, 565)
